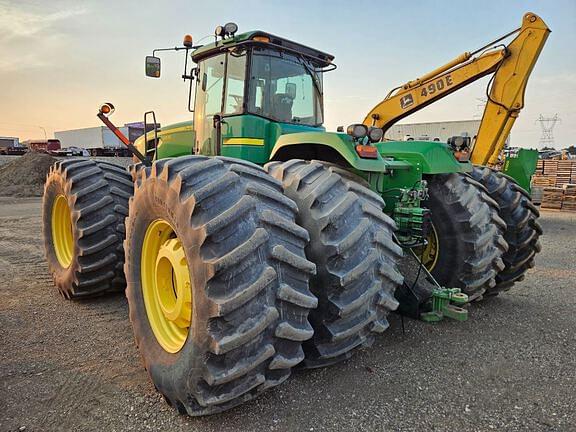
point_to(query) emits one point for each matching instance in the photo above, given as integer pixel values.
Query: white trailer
(99, 141)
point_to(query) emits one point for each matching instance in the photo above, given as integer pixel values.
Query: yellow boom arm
(511, 66)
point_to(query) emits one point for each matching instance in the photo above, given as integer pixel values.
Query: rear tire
(95, 198)
(351, 244)
(522, 227)
(248, 280)
(469, 233)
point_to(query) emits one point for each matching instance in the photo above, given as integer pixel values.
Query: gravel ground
(74, 366)
(124, 161)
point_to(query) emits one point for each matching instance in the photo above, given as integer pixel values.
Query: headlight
(357, 131)
(375, 134)
(230, 28)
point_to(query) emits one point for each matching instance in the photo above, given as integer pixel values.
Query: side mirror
(152, 67)
(291, 90)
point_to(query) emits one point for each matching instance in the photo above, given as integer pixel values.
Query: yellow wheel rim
(166, 286)
(62, 236)
(429, 255)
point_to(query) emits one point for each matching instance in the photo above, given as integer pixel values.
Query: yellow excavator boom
(510, 65)
(506, 94)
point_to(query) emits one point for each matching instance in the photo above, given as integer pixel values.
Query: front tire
(355, 255)
(239, 266)
(83, 210)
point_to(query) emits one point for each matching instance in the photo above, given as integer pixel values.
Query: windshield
(285, 88)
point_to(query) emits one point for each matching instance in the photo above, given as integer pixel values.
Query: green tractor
(252, 241)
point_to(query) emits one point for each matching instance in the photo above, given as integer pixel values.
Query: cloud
(14, 62)
(21, 21)
(30, 33)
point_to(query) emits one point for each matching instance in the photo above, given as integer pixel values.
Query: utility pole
(547, 124)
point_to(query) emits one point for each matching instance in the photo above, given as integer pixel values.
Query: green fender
(328, 146)
(521, 167)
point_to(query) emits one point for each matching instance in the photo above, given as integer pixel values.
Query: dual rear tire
(522, 231)
(486, 232)
(467, 235)
(351, 243)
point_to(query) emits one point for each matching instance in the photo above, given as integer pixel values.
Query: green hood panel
(432, 157)
(174, 140)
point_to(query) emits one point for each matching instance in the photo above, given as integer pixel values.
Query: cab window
(236, 73)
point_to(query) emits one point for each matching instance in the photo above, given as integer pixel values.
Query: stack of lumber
(544, 181)
(539, 167)
(560, 198)
(552, 198)
(554, 173)
(548, 184)
(569, 199)
(550, 168)
(563, 172)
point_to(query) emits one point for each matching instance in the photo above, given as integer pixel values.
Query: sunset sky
(62, 58)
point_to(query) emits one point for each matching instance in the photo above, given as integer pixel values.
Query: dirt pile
(25, 176)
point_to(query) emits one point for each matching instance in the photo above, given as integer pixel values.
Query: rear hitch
(422, 297)
(446, 303)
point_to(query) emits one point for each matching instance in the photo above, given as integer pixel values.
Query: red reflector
(368, 152)
(462, 156)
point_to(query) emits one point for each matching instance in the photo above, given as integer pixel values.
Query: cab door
(209, 101)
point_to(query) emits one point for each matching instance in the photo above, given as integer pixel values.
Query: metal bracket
(146, 149)
(446, 303)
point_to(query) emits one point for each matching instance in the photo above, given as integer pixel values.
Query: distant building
(434, 131)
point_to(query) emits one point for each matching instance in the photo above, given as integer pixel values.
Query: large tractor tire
(522, 228)
(85, 203)
(466, 242)
(355, 255)
(217, 281)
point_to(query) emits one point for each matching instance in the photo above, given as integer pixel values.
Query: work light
(230, 28)
(375, 134)
(357, 130)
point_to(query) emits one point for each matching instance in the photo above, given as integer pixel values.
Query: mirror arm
(176, 49)
(184, 77)
(191, 78)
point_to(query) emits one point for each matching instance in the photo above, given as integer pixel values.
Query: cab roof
(321, 58)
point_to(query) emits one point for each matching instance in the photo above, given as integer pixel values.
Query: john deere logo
(406, 101)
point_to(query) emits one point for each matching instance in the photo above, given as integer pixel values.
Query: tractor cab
(249, 89)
